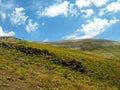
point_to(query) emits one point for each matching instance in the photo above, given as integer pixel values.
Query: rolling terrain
(101, 47)
(26, 65)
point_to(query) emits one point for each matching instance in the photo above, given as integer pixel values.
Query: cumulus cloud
(88, 12)
(31, 26)
(92, 28)
(99, 3)
(2, 33)
(86, 3)
(112, 7)
(82, 3)
(57, 9)
(18, 16)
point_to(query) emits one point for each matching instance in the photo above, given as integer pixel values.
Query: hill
(28, 65)
(106, 48)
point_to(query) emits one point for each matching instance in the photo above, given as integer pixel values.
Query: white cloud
(31, 26)
(4, 7)
(82, 3)
(114, 6)
(73, 36)
(99, 3)
(113, 21)
(2, 33)
(96, 27)
(57, 9)
(72, 10)
(92, 28)
(3, 16)
(86, 3)
(101, 12)
(88, 12)
(18, 16)
(46, 40)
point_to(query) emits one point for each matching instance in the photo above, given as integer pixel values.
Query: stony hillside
(28, 65)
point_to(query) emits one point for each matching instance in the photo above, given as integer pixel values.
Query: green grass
(97, 67)
(106, 48)
(39, 73)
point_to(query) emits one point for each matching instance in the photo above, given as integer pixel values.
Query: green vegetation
(27, 70)
(101, 47)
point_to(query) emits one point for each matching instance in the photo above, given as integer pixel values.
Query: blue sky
(53, 20)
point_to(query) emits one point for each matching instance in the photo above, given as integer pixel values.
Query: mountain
(26, 65)
(106, 48)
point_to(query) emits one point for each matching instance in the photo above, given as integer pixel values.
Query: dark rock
(46, 52)
(83, 59)
(27, 50)
(82, 70)
(64, 63)
(21, 77)
(74, 65)
(71, 64)
(9, 79)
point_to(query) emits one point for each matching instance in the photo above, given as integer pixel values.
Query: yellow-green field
(21, 70)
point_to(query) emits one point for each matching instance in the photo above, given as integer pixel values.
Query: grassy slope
(21, 71)
(107, 48)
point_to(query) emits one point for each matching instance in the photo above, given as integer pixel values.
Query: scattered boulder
(73, 64)
(26, 50)
(46, 52)
(9, 79)
(21, 78)
(83, 59)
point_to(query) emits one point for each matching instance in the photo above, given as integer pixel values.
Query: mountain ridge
(100, 47)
